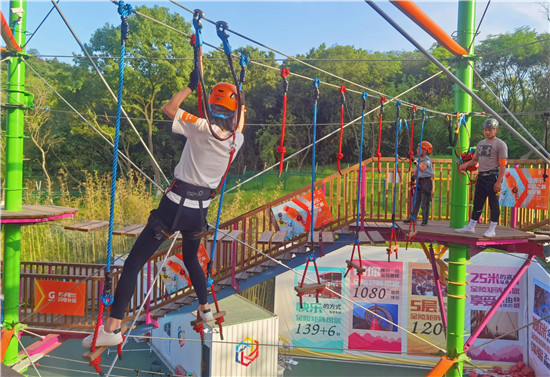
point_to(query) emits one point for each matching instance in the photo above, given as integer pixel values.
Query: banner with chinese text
(525, 188)
(539, 339)
(423, 314)
(59, 297)
(320, 325)
(374, 319)
(485, 284)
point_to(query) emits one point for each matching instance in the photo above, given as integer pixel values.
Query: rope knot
(281, 149)
(193, 40)
(284, 72)
(340, 156)
(378, 154)
(220, 320)
(198, 328)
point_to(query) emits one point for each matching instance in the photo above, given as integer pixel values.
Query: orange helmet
(225, 95)
(426, 145)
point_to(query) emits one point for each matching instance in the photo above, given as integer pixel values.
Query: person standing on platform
(424, 184)
(492, 156)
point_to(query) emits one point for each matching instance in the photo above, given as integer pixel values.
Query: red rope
(359, 273)
(99, 322)
(411, 149)
(281, 149)
(199, 93)
(378, 154)
(233, 149)
(393, 241)
(340, 156)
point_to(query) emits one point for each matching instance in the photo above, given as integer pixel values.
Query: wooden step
(133, 230)
(356, 266)
(242, 276)
(256, 270)
(265, 237)
(363, 238)
(326, 237)
(197, 322)
(286, 256)
(92, 355)
(225, 282)
(234, 234)
(279, 237)
(88, 226)
(375, 236)
(269, 264)
(310, 288)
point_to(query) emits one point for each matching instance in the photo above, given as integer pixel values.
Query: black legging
(423, 198)
(485, 189)
(146, 245)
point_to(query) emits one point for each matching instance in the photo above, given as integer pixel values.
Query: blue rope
(124, 12)
(209, 280)
(359, 191)
(419, 156)
(316, 83)
(397, 127)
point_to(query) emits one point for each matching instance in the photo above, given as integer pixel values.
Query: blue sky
(292, 27)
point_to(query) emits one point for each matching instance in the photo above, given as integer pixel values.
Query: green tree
(157, 65)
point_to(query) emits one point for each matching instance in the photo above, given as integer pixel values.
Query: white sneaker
(466, 229)
(103, 338)
(489, 233)
(206, 315)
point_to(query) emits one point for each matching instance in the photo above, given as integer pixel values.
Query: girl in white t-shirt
(184, 206)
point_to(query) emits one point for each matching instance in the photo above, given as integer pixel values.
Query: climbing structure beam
(7, 35)
(411, 10)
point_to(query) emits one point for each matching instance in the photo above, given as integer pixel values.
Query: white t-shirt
(204, 158)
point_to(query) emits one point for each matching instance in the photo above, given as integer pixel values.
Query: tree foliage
(159, 60)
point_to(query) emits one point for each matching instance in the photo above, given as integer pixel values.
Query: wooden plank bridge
(248, 242)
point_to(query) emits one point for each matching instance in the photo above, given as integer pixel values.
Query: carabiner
(221, 27)
(198, 26)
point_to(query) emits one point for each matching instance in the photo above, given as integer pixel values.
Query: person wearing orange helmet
(184, 206)
(423, 196)
(492, 156)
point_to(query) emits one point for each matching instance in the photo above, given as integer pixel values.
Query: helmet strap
(222, 116)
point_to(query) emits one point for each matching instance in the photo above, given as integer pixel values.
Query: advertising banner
(424, 314)
(294, 216)
(525, 188)
(174, 275)
(539, 339)
(321, 325)
(59, 297)
(380, 292)
(485, 284)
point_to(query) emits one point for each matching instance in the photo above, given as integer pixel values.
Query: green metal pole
(14, 175)
(458, 253)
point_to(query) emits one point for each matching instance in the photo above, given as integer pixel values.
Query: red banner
(59, 297)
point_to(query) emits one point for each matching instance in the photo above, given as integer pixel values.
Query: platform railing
(233, 258)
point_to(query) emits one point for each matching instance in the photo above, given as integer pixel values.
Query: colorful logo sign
(294, 216)
(247, 351)
(59, 297)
